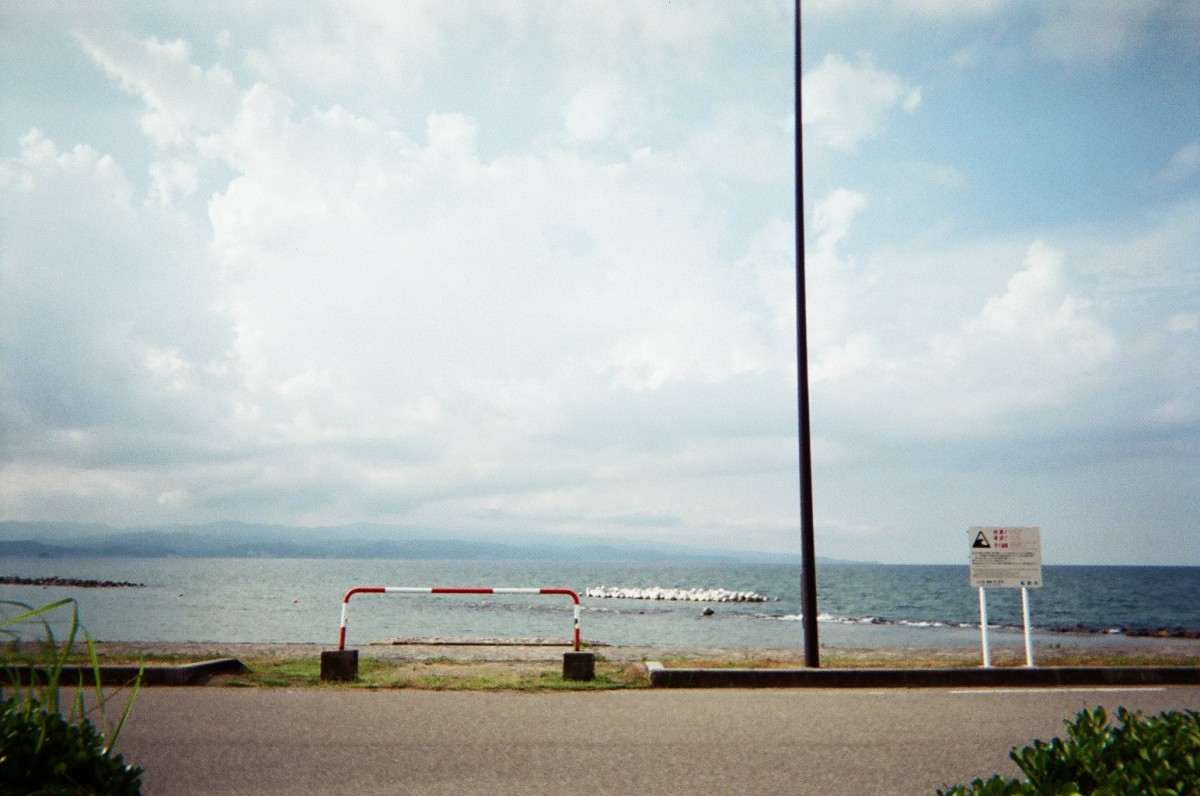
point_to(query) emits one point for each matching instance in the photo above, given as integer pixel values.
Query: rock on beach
(79, 583)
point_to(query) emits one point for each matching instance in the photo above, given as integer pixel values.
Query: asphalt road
(653, 742)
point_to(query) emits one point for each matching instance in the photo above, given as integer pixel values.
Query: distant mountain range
(246, 540)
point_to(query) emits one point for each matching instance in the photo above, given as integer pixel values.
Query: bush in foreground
(44, 752)
(1150, 756)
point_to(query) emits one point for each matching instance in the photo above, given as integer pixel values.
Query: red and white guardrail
(448, 590)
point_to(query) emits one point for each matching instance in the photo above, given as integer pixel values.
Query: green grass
(515, 681)
(446, 673)
(277, 674)
(442, 674)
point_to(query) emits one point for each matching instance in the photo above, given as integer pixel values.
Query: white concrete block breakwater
(683, 595)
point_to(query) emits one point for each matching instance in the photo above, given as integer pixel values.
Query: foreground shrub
(1154, 756)
(43, 750)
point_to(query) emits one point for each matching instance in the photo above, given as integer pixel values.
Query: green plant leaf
(41, 750)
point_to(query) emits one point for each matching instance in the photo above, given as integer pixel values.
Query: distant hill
(246, 540)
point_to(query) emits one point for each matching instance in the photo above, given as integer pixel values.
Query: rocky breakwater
(79, 583)
(685, 595)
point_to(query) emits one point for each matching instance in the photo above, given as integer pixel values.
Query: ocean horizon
(282, 600)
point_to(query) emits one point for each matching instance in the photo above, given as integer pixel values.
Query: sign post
(1005, 558)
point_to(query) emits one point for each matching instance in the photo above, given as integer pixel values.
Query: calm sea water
(861, 605)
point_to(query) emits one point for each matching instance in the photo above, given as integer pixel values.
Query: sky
(528, 266)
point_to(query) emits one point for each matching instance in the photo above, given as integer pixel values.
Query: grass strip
(437, 675)
(445, 673)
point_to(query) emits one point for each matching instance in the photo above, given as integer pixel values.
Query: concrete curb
(1058, 676)
(177, 674)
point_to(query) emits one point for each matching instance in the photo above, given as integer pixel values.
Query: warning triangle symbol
(981, 540)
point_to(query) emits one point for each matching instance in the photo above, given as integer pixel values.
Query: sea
(859, 605)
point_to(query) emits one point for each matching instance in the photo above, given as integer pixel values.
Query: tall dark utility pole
(808, 556)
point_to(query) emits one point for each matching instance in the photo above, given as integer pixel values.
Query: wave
(1175, 632)
(682, 595)
(874, 620)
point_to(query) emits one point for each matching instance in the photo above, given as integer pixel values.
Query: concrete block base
(579, 666)
(1024, 677)
(339, 666)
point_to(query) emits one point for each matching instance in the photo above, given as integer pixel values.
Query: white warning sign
(1005, 558)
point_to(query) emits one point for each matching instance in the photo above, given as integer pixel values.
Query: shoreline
(509, 650)
(536, 664)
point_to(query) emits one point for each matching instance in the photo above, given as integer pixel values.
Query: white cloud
(743, 143)
(182, 100)
(344, 49)
(1036, 338)
(1034, 344)
(845, 103)
(837, 361)
(1183, 323)
(832, 218)
(834, 283)
(1093, 33)
(1148, 260)
(943, 11)
(950, 9)
(645, 30)
(104, 304)
(532, 265)
(1184, 165)
(408, 317)
(594, 111)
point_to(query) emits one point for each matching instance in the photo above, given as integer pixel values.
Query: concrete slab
(170, 674)
(663, 677)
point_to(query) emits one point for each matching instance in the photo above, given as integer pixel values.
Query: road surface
(212, 740)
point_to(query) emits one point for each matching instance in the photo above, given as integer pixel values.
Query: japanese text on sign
(1005, 558)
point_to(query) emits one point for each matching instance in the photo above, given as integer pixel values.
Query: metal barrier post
(451, 590)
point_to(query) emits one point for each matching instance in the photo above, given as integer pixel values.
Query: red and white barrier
(448, 590)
